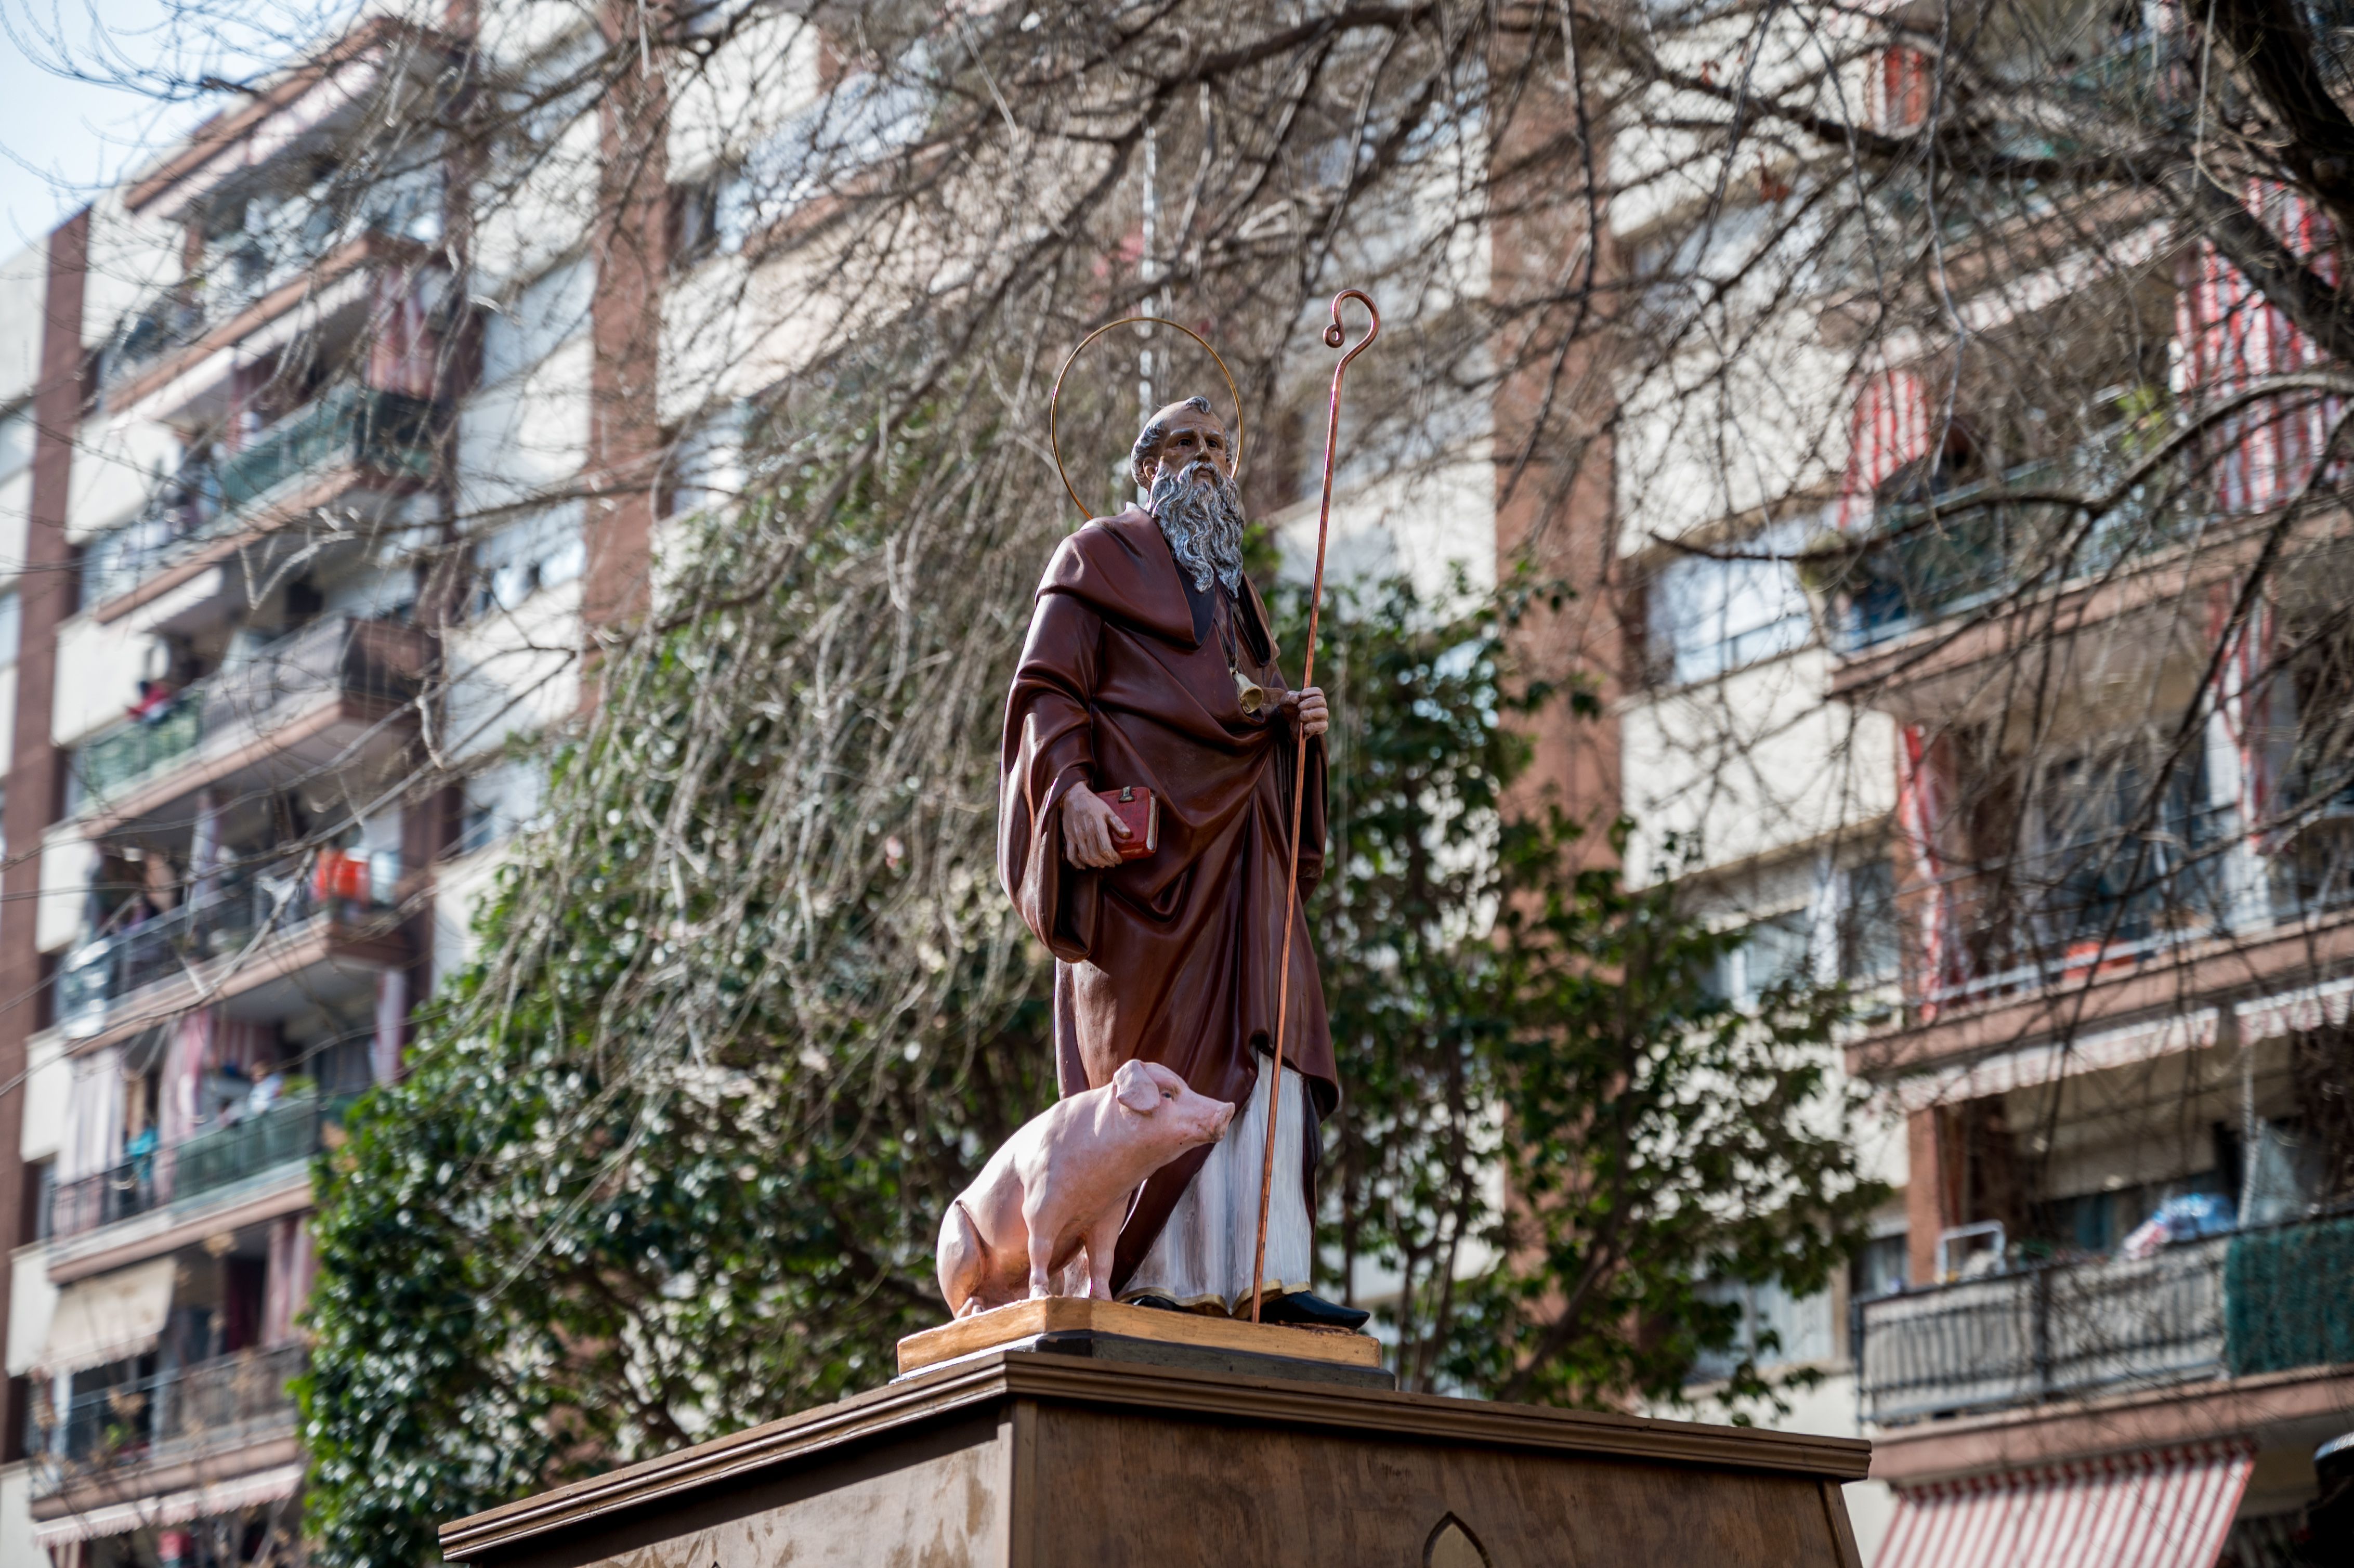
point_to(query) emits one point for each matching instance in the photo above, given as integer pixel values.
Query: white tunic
(1204, 1254)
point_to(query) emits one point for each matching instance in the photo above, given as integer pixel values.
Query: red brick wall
(46, 597)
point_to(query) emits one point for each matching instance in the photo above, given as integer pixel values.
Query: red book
(1142, 812)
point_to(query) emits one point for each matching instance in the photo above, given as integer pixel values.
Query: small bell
(1250, 693)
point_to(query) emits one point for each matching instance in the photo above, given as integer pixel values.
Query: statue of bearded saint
(1152, 664)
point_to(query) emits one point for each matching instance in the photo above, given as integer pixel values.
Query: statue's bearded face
(1199, 510)
(1194, 497)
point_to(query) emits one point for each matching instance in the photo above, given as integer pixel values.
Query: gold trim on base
(1068, 1314)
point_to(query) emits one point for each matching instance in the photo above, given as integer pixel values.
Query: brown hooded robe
(1174, 958)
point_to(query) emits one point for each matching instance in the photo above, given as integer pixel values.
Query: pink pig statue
(1063, 1182)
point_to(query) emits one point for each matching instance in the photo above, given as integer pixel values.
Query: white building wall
(1751, 764)
(1421, 525)
(99, 668)
(115, 469)
(17, 1545)
(49, 1080)
(66, 860)
(32, 1301)
(130, 257)
(24, 299)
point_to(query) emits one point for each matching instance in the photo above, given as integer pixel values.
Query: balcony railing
(356, 658)
(220, 1402)
(384, 432)
(2113, 900)
(244, 909)
(1944, 554)
(242, 268)
(292, 1129)
(2074, 1329)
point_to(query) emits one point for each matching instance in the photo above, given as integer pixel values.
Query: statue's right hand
(1090, 830)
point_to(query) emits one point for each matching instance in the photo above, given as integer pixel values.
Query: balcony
(351, 438)
(289, 1131)
(2101, 904)
(250, 929)
(2195, 1310)
(212, 1407)
(1931, 557)
(2115, 929)
(321, 272)
(319, 696)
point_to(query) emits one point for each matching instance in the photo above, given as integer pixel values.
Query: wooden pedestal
(1032, 1458)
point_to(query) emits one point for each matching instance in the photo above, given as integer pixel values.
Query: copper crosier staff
(1334, 336)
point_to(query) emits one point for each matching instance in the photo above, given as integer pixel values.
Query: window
(1881, 1268)
(543, 318)
(1867, 923)
(16, 442)
(709, 469)
(39, 1192)
(1775, 951)
(500, 801)
(698, 213)
(1777, 1329)
(1710, 615)
(517, 562)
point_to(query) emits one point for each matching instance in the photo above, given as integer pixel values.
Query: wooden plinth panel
(1067, 1314)
(1028, 1460)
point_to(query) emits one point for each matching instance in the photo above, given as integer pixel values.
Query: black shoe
(1158, 1303)
(1301, 1311)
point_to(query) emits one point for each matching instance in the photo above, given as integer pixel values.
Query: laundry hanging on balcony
(2166, 1507)
(91, 1142)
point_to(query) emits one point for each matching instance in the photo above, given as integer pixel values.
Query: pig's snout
(1212, 1124)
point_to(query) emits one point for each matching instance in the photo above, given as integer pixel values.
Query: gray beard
(1203, 525)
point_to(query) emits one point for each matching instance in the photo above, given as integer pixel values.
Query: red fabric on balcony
(2167, 1508)
(1889, 428)
(2229, 338)
(1897, 91)
(1925, 891)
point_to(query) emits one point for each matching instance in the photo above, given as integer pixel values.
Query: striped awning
(219, 1497)
(2167, 1508)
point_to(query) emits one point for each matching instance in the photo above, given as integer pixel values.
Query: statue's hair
(1146, 450)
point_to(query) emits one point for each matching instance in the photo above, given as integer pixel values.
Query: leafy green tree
(1555, 1133)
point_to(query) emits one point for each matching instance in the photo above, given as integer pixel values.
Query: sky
(91, 88)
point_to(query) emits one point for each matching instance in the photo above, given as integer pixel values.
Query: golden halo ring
(1053, 403)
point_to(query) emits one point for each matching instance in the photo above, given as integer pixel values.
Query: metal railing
(225, 1401)
(242, 909)
(2108, 903)
(386, 432)
(340, 654)
(1947, 552)
(2105, 900)
(2057, 1330)
(242, 268)
(294, 1129)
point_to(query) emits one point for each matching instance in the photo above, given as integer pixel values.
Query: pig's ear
(1133, 1086)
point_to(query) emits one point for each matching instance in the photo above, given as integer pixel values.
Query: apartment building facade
(2051, 817)
(258, 774)
(243, 430)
